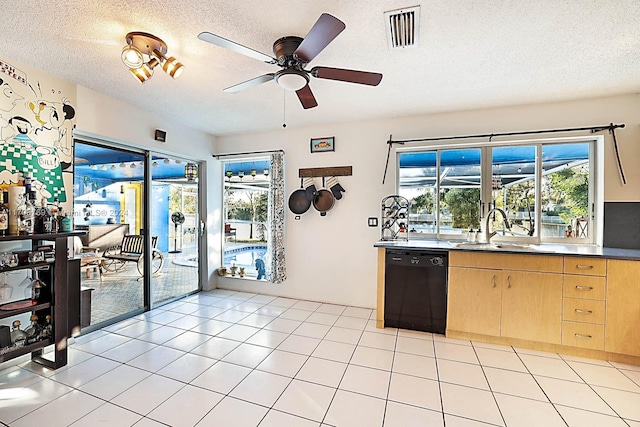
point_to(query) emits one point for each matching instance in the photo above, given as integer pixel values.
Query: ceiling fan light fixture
(291, 80)
(173, 67)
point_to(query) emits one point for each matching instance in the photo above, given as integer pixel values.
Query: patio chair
(229, 232)
(131, 249)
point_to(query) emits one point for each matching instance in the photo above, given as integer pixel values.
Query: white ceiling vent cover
(402, 27)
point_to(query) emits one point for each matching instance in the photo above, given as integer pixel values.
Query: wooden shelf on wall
(323, 172)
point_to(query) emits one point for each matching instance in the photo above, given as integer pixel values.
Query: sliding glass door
(174, 228)
(141, 215)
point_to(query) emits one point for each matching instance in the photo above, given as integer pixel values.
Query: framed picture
(319, 145)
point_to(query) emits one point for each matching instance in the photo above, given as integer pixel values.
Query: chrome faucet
(488, 235)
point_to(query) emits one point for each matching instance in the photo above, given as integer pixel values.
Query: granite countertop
(510, 247)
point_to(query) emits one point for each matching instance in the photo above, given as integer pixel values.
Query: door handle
(202, 226)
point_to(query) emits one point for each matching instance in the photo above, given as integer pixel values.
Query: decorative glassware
(5, 289)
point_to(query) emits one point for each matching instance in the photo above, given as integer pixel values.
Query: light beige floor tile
(421, 347)
(626, 404)
(412, 364)
(555, 368)
(82, 373)
(221, 377)
(283, 325)
(280, 419)
(491, 346)
(114, 382)
(323, 318)
(306, 305)
(331, 309)
(457, 352)
(362, 313)
(216, 348)
(344, 335)
(322, 371)
(234, 412)
(156, 358)
(108, 415)
(187, 368)
(372, 327)
(514, 383)
(577, 395)
(261, 388)
(462, 374)
(454, 421)
(351, 323)
(299, 344)
(146, 395)
(372, 382)
(375, 340)
(605, 376)
(62, 411)
(256, 320)
(20, 397)
(528, 413)
(294, 314)
(399, 415)
(372, 358)
(248, 355)
(187, 341)
(475, 404)
(415, 391)
(305, 400)
(238, 332)
(406, 333)
(186, 407)
(283, 363)
(340, 352)
(353, 410)
(500, 359)
(581, 418)
(313, 330)
(267, 338)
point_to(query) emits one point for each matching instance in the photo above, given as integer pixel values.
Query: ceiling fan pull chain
(284, 108)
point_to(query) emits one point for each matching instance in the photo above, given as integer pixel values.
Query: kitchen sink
(496, 246)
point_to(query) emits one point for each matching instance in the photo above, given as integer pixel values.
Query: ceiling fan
(292, 54)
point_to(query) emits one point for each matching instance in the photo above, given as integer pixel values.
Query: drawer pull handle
(584, 288)
(495, 284)
(584, 267)
(583, 336)
(583, 311)
(509, 281)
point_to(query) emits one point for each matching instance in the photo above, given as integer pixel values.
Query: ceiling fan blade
(326, 28)
(250, 83)
(350, 76)
(238, 48)
(306, 97)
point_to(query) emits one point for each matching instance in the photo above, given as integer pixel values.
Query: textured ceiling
(472, 54)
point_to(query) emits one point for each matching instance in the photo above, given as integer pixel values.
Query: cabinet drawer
(583, 310)
(489, 260)
(587, 287)
(583, 335)
(588, 266)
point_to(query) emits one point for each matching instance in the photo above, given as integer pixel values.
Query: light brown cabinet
(507, 302)
(622, 327)
(583, 303)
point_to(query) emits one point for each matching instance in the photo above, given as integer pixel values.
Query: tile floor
(224, 358)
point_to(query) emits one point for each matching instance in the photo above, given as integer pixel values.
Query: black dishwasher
(415, 293)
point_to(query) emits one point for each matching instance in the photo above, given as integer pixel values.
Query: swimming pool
(244, 256)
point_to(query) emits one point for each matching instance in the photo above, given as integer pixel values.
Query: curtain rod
(593, 129)
(217, 156)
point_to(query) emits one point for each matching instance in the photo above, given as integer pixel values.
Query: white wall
(332, 258)
(105, 117)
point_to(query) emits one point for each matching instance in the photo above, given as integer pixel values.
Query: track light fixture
(143, 47)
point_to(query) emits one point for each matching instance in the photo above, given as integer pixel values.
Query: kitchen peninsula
(578, 300)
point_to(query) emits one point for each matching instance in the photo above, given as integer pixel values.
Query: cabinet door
(622, 329)
(474, 300)
(532, 306)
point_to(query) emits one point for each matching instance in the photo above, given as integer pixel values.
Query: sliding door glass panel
(459, 196)
(174, 228)
(565, 191)
(513, 190)
(418, 178)
(108, 195)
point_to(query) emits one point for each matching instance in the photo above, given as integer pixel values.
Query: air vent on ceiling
(402, 27)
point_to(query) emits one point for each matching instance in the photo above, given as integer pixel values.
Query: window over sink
(550, 190)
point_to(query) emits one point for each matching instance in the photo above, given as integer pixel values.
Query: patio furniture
(229, 232)
(90, 261)
(131, 249)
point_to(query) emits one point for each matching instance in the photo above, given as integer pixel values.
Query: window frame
(596, 186)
